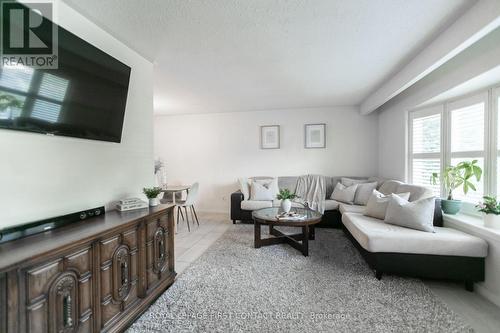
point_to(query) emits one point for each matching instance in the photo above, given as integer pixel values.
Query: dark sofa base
(454, 268)
(330, 219)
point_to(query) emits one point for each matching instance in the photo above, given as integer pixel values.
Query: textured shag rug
(233, 287)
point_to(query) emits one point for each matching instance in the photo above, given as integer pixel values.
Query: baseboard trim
(486, 293)
(213, 212)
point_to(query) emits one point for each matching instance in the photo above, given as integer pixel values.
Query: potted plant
(286, 196)
(152, 194)
(6, 102)
(490, 208)
(455, 177)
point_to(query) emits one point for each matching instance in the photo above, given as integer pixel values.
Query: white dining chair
(191, 198)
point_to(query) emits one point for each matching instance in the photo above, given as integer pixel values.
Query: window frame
(463, 102)
(421, 113)
(494, 140)
(31, 95)
(491, 147)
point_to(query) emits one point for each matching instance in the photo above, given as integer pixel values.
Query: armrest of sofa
(236, 199)
(438, 214)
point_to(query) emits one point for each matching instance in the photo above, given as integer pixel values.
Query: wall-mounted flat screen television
(84, 98)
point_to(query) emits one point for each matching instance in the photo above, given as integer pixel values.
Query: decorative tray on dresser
(96, 275)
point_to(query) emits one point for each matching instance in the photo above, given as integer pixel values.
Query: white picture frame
(270, 137)
(314, 136)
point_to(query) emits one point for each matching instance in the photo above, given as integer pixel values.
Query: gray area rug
(233, 287)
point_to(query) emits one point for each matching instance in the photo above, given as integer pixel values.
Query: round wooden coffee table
(267, 216)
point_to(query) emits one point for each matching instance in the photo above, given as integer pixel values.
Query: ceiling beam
(476, 23)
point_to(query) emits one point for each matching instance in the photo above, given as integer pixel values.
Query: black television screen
(85, 97)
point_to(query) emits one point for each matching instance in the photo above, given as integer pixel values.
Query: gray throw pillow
(377, 204)
(350, 181)
(418, 215)
(343, 193)
(245, 187)
(264, 189)
(363, 193)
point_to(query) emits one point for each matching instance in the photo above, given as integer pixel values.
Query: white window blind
(425, 157)
(467, 128)
(46, 111)
(53, 87)
(427, 134)
(467, 140)
(16, 78)
(497, 111)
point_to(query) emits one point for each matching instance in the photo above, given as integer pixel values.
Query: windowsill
(471, 224)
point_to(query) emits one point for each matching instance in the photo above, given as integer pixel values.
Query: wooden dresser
(96, 275)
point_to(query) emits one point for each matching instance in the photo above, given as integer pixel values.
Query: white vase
(286, 205)
(154, 202)
(492, 221)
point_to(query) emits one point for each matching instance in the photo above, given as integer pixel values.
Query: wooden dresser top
(29, 248)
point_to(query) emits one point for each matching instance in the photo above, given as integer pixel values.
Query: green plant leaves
(459, 175)
(152, 192)
(490, 205)
(285, 194)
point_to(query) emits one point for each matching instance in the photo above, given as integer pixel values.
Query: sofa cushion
(254, 205)
(264, 189)
(289, 183)
(343, 193)
(363, 193)
(331, 182)
(376, 236)
(390, 186)
(245, 187)
(331, 204)
(377, 204)
(346, 208)
(417, 192)
(351, 181)
(417, 215)
(379, 181)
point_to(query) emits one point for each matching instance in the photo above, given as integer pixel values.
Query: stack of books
(130, 204)
(292, 216)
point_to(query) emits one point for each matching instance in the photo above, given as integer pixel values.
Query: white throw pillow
(349, 181)
(363, 193)
(417, 215)
(264, 189)
(245, 187)
(377, 204)
(343, 193)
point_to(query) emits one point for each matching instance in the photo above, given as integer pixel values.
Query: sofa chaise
(390, 249)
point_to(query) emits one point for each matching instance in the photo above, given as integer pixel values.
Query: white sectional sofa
(390, 249)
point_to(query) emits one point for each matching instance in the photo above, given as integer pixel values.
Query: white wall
(43, 176)
(478, 59)
(216, 149)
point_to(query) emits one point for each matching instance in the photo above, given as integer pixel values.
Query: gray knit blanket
(312, 189)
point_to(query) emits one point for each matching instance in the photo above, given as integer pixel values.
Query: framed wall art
(315, 136)
(270, 137)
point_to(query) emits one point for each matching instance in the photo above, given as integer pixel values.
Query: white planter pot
(492, 221)
(154, 202)
(286, 205)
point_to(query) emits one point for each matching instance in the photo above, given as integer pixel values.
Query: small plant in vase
(490, 208)
(455, 177)
(152, 194)
(6, 103)
(286, 196)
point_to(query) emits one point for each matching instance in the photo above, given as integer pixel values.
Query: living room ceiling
(241, 55)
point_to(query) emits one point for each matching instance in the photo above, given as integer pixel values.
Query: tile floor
(481, 314)
(190, 245)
